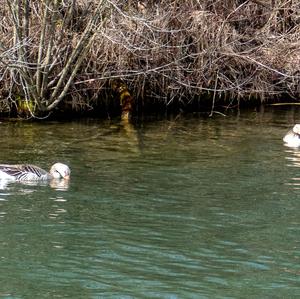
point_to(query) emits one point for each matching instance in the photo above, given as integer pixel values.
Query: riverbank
(112, 58)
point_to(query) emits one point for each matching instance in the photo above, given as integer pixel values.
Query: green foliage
(25, 108)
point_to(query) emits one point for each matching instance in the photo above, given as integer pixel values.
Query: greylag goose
(292, 138)
(28, 172)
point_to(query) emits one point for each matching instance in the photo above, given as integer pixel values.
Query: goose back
(25, 172)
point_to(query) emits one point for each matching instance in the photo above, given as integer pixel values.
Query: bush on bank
(75, 55)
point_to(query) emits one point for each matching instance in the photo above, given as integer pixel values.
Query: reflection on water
(179, 208)
(293, 160)
(62, 185)
(293, 157)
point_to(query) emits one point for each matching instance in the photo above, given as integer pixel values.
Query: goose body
(292, 138)
(28, 172)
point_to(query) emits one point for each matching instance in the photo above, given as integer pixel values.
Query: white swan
(28, 172)
(292, 138)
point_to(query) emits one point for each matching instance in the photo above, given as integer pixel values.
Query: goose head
(296, 129)
(60, 171)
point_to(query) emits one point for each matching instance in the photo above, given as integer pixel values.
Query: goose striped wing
(24, 172)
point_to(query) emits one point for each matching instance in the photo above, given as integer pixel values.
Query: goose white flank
(292, 137)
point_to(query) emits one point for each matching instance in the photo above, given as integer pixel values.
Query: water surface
(186, 207)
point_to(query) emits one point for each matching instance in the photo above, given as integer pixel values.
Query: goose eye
(57, 173)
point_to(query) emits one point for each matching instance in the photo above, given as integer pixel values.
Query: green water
(192, 207)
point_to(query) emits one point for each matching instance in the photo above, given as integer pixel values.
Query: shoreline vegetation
(123, 57)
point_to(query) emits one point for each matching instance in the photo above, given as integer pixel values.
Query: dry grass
(166, 50)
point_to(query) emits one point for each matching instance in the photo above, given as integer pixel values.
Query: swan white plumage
(29, 172)
(292, 137)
